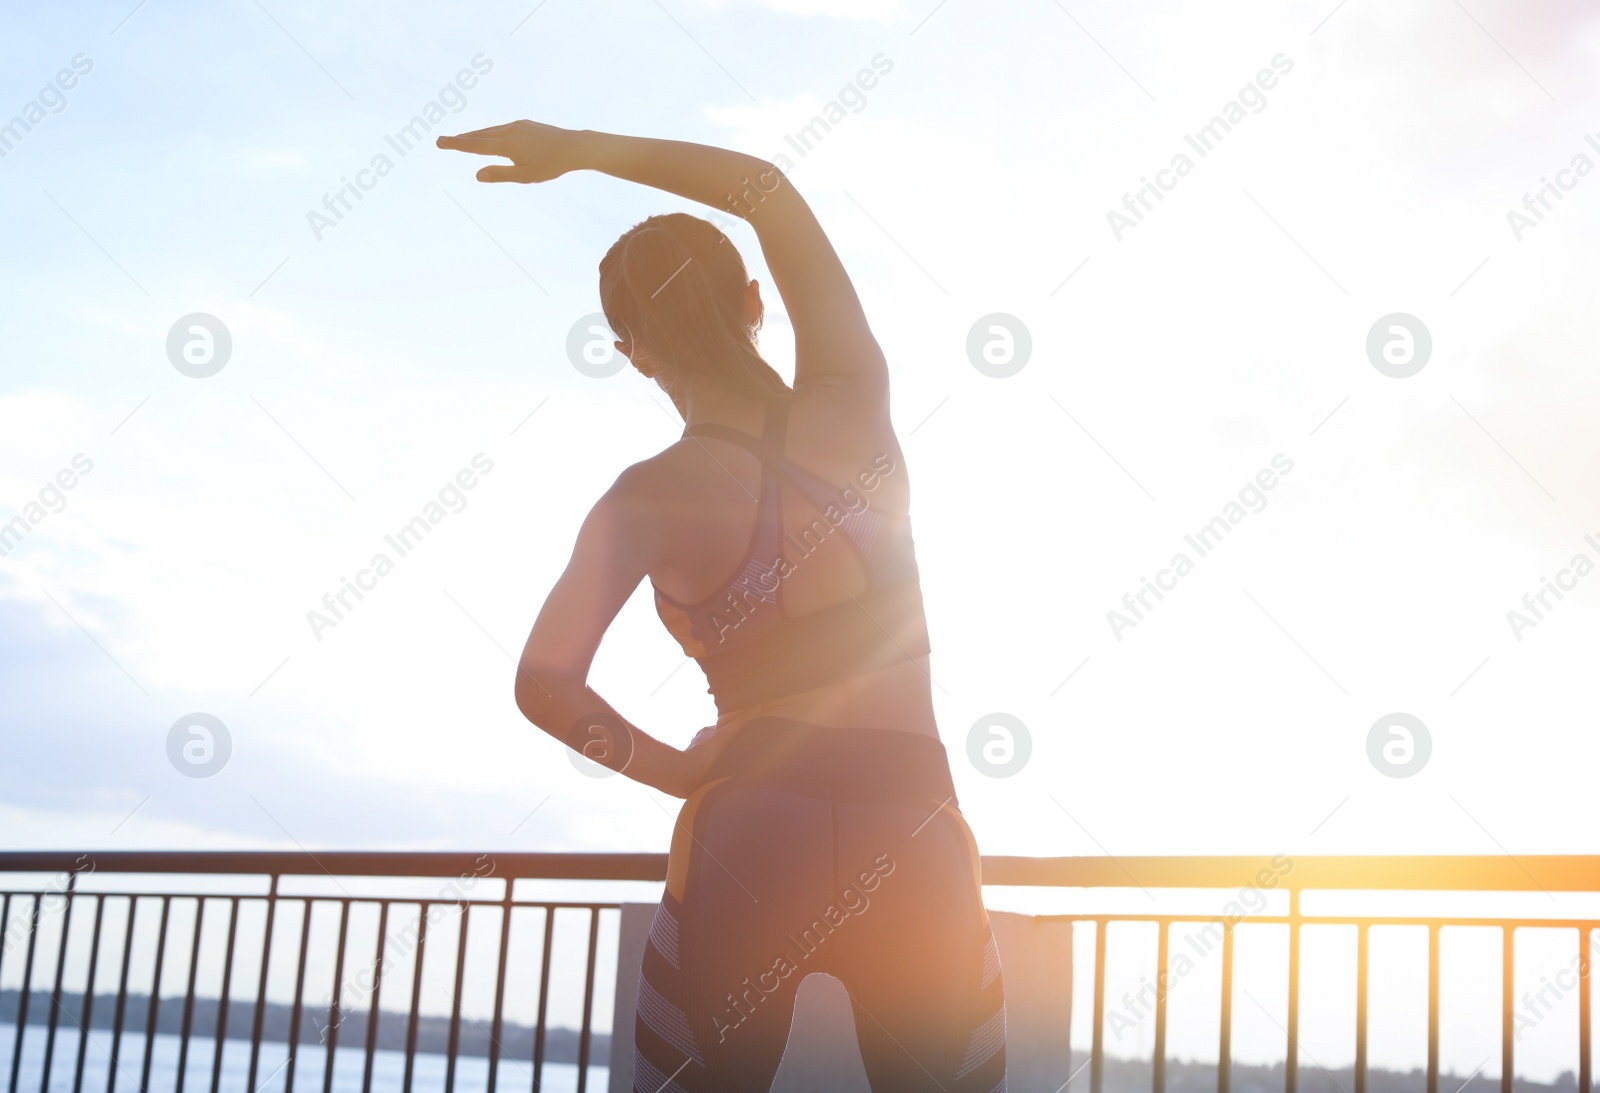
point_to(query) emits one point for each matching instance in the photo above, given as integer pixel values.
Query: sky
(1206, 308)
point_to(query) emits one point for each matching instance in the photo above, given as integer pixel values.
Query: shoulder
(625, 523)
(646, 488)
(663, 471)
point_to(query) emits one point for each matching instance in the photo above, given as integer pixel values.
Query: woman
(820, 831)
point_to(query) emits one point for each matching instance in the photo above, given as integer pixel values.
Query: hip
(817, 801)
(881, 762)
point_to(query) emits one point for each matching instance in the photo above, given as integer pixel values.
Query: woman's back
(834, 562)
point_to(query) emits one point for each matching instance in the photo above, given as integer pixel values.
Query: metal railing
(1476, 874)
(1381, 874)
(275, 866)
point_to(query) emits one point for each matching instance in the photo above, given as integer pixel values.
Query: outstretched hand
(537, 152)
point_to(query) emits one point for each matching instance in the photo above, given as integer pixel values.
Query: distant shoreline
(433, 1033)
(1121, 1075)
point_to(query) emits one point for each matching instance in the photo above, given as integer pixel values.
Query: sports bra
(751, 650)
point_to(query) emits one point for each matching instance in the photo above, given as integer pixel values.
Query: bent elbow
(536, 692)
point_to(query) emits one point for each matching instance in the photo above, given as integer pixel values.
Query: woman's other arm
(608, 561)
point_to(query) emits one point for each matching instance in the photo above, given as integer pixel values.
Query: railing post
(1291, 1054)
(1225, 1047)
(1433, 1009)
(292, 1058)
(1507, 990)
(372, 1006)
(588, 1002)
(1158, 1060)
(335, 1004)
(1361, 1008)
(1584, 1002)
(416, 997)
(1097, 1057)
(152, 1019)
(224, 993)
(261, 991)
(55, 991)
(455, 1002)
(5, 926)
(122, 995)
(500, 986)
(188, 994)
(5, 934)
(86, 1012)
(544, 998)
(23, 988)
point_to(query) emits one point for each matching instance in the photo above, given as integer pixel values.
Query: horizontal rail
(342, 863)
(1444, 873)
(1400, 873)
(1257, 918)
(463, 901)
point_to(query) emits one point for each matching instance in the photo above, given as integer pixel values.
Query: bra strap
(768, 447)
(754, 445)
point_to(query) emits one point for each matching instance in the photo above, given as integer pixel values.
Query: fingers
(464, 141)
(493, 130)
(483, 146)
(503, 173)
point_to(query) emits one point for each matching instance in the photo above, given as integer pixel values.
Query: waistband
(884, 763)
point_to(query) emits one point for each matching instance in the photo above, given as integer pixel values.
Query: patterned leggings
(834, 850)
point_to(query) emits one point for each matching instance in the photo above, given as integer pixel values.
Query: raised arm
(833, 344)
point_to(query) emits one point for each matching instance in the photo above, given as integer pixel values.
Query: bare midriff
(898, 697)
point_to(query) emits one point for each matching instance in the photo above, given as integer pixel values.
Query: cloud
(86, 751)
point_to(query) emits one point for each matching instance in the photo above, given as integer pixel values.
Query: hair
(673, 286)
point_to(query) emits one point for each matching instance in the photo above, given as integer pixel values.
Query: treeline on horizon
(433, 1033)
